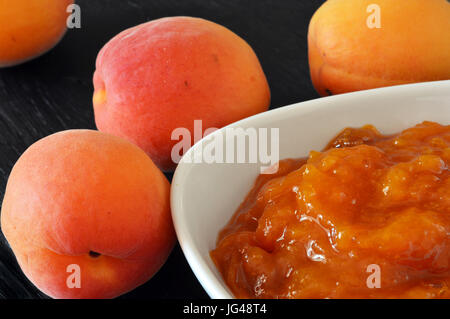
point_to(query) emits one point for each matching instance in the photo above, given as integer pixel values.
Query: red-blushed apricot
(29, 28)
(164, 74)
(92, 200)
(364, 44)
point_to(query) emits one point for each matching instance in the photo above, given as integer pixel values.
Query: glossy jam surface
(370, 210)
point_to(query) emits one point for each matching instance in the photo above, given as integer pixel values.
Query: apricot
(410, 45)
(29, 28)
(164, 74)
(87, 215)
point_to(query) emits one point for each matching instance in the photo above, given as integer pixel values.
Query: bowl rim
(205, 276)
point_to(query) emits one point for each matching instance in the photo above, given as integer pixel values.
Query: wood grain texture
(54, 93)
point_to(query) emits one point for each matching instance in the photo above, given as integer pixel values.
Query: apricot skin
(164, 74)
(345, 55)
(29, 28)
(91, 199)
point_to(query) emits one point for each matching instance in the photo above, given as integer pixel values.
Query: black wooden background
(54, 93)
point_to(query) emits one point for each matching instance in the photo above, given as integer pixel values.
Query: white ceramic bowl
(205, 196)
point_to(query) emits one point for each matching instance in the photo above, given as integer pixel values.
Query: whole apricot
(164, 74)
(87, 215)
(29, 28)
(363, 44)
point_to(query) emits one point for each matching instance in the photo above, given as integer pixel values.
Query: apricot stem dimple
(99, 97)
(94, 254)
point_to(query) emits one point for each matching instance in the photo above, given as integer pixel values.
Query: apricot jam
(317, 227)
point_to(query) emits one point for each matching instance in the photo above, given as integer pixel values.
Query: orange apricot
(363, 44)
(29, 28)
(87, 215)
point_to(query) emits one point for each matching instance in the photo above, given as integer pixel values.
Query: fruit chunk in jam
(312, 229)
